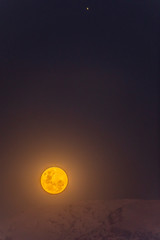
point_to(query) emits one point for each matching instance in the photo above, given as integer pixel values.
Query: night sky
(79, 90)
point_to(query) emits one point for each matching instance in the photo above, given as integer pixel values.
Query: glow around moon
(54, 180)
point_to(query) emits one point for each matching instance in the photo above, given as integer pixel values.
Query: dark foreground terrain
(90, 220)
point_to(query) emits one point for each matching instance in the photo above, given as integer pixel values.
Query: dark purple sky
(84, 84)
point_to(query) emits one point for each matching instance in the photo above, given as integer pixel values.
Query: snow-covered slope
(99, 220)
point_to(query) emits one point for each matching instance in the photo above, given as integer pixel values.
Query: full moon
(54, 180)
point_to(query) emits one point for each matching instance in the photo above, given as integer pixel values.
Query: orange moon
(54, 180)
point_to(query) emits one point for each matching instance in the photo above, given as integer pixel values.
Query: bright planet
(54, 180)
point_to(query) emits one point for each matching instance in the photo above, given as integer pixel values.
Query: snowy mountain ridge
(88, 220)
